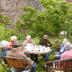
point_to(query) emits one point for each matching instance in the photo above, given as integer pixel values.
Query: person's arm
(40, 42)
(62, 50)
(10, 46)
(34, 43)
(49, 44)
(24, 43)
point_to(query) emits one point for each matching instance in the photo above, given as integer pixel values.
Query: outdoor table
(33, 52)
(38, 50)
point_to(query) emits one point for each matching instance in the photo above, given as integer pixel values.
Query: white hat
(13, 38)
(4, 43)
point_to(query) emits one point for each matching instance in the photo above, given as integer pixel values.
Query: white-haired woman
(28, 41)
(4, 45)
(29, 44)
(62, 49)
(68, 53)
(13, 41)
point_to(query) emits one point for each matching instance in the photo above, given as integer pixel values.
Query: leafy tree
(55, 18)
(4, 32)
(4, 20)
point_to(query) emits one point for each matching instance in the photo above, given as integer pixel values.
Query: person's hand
(27, 67)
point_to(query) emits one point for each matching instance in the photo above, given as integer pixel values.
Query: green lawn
(1, 68)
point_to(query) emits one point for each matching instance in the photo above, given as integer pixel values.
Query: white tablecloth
(38, 50)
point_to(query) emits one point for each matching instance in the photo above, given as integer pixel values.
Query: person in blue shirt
(62, 49)
(4, 45)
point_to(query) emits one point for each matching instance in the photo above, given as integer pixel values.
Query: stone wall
(12, 8)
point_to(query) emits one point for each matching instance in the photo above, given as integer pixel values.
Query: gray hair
(67, 46)
(4, 44)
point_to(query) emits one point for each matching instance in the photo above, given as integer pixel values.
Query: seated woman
(45, 42)
(68, 51)
(62, 49)
(65, 45)
(63, 63)
(13, 41)
(4, 45)
(30, 44)
(17, 53)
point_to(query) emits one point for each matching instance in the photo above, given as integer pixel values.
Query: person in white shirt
(29, 44)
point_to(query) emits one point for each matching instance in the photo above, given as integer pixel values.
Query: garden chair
(64, 65)
(18, 64)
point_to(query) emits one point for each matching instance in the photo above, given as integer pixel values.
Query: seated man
(45, 42)
(15, 52)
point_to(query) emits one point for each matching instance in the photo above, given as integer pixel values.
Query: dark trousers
(34, 57)
(57, 58)
(46, 56)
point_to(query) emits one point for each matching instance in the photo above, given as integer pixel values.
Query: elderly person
(45, 42)
(28, 41)
(18, 46)
(18, 54)
(4, 45)
(68, 53)
(65, 46)
(13, 41)
(30, 44)
(62, 49)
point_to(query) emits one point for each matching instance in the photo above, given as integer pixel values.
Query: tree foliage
(55, 18)
(4, 32)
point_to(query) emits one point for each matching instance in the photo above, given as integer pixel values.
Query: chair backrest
(16, 63)
(65, 64)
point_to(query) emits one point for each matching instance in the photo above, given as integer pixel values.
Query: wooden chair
(18, 64)
(59, 65)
